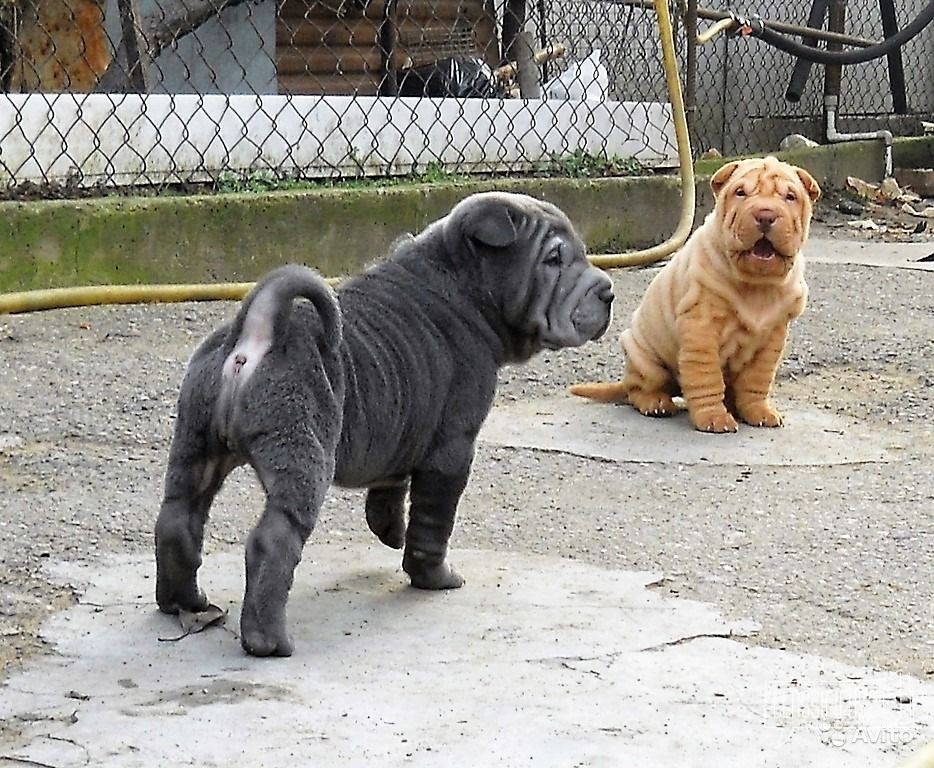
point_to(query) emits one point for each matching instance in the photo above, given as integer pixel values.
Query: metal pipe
(833, 135)
(896, 67)
(690, 68)
(514, 14)
(543, 36)
(836, 22)
(807, 33)
(388, 39)
(833, 76)
(802, 70)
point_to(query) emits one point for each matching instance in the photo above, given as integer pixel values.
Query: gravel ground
(830, 560)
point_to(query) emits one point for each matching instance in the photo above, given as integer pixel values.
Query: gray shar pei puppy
(383, 387)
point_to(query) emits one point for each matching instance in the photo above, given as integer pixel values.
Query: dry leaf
(197, 621)
(889, 190)
(862, 188)
(908, 197)
(193, 622)
(885, 192)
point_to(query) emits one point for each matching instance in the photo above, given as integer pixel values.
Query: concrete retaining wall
(238, 237)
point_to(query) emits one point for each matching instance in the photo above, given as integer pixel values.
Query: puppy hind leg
(296, 481)
(385, 512)
(434, 498)
(649, 383)
(190, 486)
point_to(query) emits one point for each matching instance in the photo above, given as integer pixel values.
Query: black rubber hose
(802, 70)
(859, 56)
(896, 67)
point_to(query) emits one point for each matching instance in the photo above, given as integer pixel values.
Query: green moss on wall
(237, 237)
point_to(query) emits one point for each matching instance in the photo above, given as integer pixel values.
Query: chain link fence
(99, 93)
(741, 83)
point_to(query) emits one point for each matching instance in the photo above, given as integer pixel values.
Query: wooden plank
(311, 38)
(304, 9)
(357, 32)
(438, 9)
(335, 85)
(413, 32)
(342, 59)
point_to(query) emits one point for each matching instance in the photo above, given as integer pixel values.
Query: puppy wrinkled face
(533, 265)
(575, 297)
(765, 209)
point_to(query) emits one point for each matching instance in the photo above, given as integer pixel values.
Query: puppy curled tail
(612, 392)
(264, 316)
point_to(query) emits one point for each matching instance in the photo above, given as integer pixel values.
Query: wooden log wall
(334, 47)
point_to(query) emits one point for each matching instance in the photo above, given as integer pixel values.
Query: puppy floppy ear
(490, 222)
(722, 176)
(810, 184)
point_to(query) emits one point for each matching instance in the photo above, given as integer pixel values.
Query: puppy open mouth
(763, 250)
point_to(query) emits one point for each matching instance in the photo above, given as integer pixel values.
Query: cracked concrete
(573, 426)
(537, 661)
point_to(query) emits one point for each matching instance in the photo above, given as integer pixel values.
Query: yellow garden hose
(57, 298)
(685, 162)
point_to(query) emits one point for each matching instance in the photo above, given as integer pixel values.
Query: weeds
(260, 182)
(584, 165)
(577, 165)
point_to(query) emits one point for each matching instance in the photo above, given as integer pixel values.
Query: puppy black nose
(606, 294)
(765, 219)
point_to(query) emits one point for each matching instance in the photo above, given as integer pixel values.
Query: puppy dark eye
(741, 192)
(791, 197)
(553, 259)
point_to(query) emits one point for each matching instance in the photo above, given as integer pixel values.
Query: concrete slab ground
(825, 250)
(538, 661)
(638, 594)
(619, 434)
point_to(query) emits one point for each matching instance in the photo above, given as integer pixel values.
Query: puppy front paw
(716, 420)
(760, 414)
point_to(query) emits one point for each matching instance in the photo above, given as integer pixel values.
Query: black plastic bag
(459, 76)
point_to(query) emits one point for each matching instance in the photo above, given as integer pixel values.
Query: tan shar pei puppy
(713, 323)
